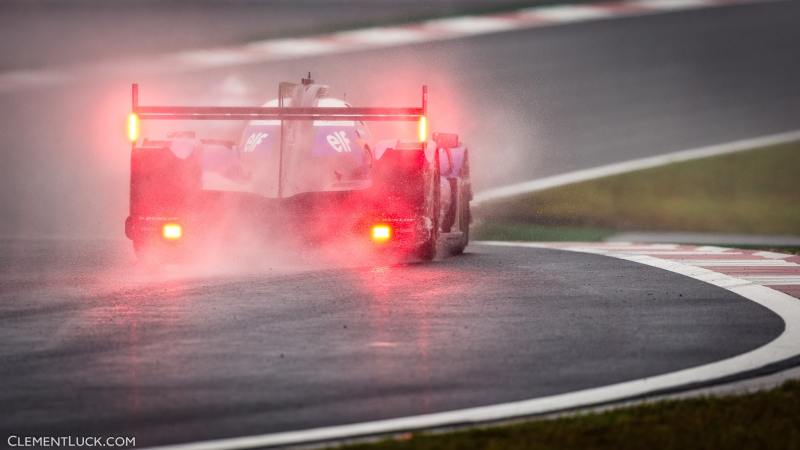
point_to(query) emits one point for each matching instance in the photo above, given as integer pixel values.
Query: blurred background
(531, 102)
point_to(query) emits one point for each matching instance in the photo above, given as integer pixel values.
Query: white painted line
(772, 255)
(571, 13)
(297, 47)
(784, 346)
(212, 58)
(467, 26)
(578, 176)
(31, 78)
(383, 344)
(673, 4)
(383, 36)
(711, 248)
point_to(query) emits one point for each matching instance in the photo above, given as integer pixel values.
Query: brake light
(172, 231)
(423, 129)
(381, 233)
(133, 127)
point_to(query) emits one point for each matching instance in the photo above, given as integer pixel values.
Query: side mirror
(445, 140)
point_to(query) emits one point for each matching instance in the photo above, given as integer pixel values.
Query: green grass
(757, 191)
(762, 420)
(504, 231)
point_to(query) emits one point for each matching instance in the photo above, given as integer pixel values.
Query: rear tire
(465, 214)
(427, 251)
(464, 220)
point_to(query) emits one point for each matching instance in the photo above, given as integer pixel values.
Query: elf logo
(254, 140)
(339, 141)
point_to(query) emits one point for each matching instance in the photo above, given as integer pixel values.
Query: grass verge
(513, 231)
(756, 191)
(761, 420)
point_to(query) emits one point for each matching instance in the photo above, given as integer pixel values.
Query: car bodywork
(305, 165)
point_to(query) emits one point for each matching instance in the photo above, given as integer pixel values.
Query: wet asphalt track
(93, 344)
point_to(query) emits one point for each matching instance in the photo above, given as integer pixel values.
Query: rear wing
(140, 112)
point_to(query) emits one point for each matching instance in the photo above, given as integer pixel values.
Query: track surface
(92, 344)
(101, 351)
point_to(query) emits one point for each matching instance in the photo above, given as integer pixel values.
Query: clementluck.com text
(71, 441)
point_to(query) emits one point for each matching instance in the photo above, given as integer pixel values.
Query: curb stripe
(280, 49)
(756, 267)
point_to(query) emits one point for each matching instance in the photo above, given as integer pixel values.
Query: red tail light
(172, 231)
(133, 127)
(381, 233)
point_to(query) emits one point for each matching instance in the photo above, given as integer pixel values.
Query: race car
(306, 165)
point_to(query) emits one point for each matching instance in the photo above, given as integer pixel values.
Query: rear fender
(164, 183)
(402, 175)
